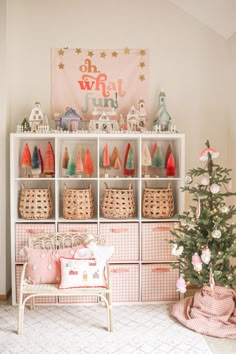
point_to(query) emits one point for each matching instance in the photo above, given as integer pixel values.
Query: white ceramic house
(136, 118)
(103, 122)
(36, 117)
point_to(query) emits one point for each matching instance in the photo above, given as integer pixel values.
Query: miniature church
(163, 119)
(136, 119)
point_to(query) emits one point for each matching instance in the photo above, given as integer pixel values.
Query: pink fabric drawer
(22, 233)
(77, 299)
(125, 282)
(38, 299)
(125, 239)
(81, 228)
(155, 245)
(159, 282)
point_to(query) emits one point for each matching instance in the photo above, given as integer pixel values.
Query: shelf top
(81, 134)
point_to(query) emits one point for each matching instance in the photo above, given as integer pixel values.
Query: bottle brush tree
(129, 168)
(206, 239)
(88, 163)
(71, 166)
(36, 165)
(26, 160)
(49, 161)
(157, 160)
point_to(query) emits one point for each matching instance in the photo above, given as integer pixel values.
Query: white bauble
(205, 180)
(216, 233)
(224, 209)
(188, 179)
(215, 188)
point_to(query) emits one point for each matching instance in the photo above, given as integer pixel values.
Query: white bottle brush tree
(206, 239)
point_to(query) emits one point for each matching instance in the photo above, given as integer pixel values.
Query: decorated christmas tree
(36, 165)
(205, 243)
(206, 238)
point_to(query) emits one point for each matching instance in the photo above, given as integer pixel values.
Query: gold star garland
(103, 55)
(61, 66)
(60, 52)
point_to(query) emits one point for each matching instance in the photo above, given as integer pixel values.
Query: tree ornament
(36, 166)
(49, 161)
(188, 179)
(204, 155)
(146, 157)
(41, 160)
(181, 284)
(170, 167)
(71, 166)
(216, 233)
(168, 152)
(129, 161)
(88, 163)
(205, 180)
(214, 188)
(206, 255)
(224, 209)
(79, 167)
(65, 158)
(26, 159)
(196, 262)
(177, 251)
(114, 157)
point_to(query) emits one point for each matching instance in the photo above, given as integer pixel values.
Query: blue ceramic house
(70, 120)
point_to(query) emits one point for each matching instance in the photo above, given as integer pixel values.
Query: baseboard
(5, 297)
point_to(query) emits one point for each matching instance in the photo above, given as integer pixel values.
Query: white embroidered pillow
(81, 273)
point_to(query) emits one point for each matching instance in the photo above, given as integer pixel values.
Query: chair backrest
(60, 240)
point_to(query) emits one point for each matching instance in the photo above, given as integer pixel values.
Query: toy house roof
(70, 113)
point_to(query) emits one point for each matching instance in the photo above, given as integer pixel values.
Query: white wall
(187, 59)
(4, 247)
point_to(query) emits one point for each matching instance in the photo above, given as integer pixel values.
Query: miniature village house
(36, 117)
(69, 120)
(103, 122)
(136, 118)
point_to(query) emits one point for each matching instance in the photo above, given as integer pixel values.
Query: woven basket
(118, 203)
(78, 204)
(35, 204)
(158, 202)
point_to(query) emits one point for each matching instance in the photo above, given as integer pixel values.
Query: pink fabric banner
(102, 80)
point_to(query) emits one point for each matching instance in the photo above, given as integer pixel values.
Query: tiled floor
(138, 329)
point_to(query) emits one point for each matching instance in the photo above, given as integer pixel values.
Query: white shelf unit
(140, 264)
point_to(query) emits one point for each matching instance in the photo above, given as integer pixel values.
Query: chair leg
(109, 311)
(21, 315)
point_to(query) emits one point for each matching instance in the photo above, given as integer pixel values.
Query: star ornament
(142, 52)
(141, 77)
(142, 64)
(103, 55)
(61, 52)
(78, 50)
(61, 66)
(114, 54)
(90, 53)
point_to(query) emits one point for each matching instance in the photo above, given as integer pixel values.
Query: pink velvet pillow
(44, 266)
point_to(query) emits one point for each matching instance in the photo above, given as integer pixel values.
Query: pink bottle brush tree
(49, 161)
(26, 161)
(79, 164)
(115, 159)
(106, 159)
(88, 163)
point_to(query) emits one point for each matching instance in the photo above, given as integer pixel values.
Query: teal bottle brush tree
(205, 240)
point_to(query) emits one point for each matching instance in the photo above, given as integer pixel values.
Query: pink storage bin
(125, 282)
(38, 299)
(155, 245)
(158, 282)
(25, 230)
(125, 239)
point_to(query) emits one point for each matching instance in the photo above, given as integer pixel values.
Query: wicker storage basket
(35, 203)
(78, 204)
(118, 203)
(158, 202)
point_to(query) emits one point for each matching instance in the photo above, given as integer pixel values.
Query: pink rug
(210, 312)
